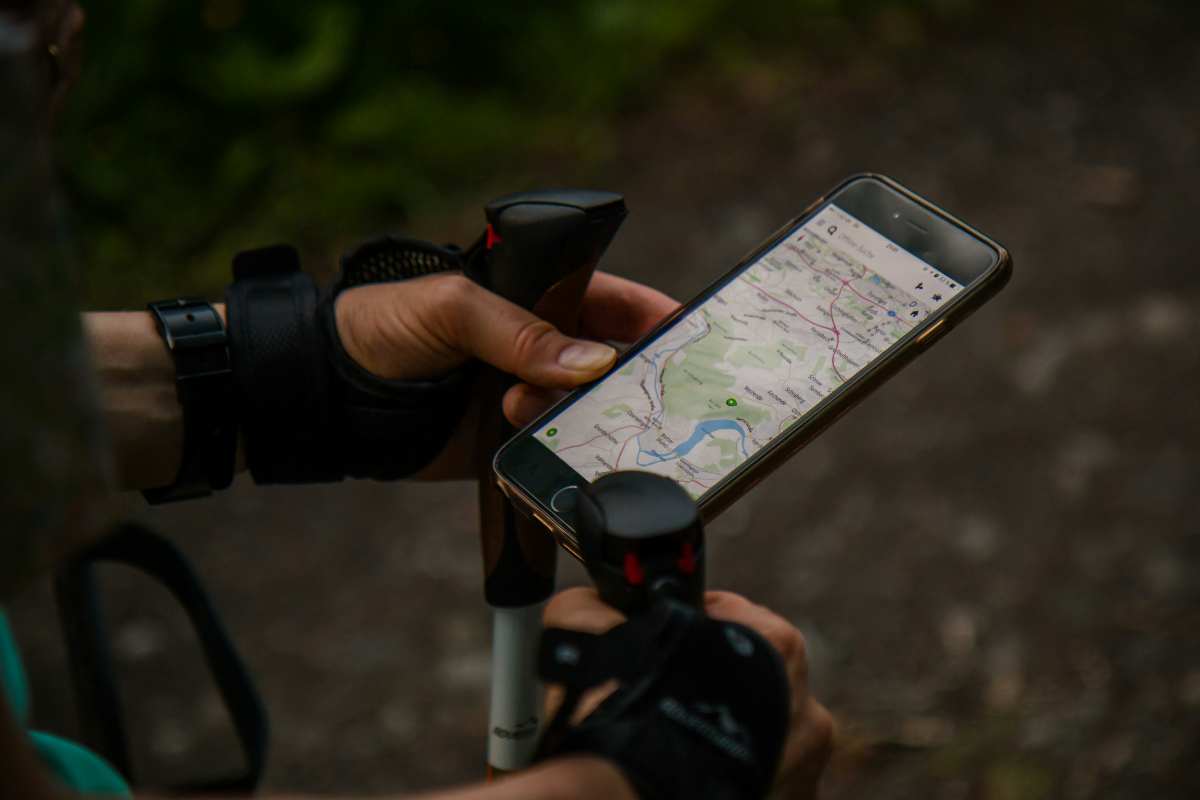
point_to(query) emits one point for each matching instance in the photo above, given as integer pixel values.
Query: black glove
(702, 709)
(307, 411)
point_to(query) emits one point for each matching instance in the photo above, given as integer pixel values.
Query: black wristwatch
(195, 336)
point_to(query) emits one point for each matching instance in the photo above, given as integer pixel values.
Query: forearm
(137, 396)
(574, 778)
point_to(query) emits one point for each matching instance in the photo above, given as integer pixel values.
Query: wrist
(137, 393)
(139, 397)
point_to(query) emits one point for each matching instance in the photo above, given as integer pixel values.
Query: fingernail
(586, 356)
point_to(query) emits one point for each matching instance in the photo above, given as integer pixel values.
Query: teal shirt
(78, 768)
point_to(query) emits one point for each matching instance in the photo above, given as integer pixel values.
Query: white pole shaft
(516, 710)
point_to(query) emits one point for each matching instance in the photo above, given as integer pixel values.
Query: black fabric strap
(390, 428)
(310, 412)
(280, 370)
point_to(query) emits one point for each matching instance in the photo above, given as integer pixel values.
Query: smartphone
(727, 388)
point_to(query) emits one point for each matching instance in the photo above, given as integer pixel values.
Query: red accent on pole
(493, 238)
(634, 575)
(687, 559)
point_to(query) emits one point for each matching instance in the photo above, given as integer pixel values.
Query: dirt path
(995, 558)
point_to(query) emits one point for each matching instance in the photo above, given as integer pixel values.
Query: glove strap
(311, 413)
(391, 428)
(280, 370)
(702, 709)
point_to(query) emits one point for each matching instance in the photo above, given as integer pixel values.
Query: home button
(565, 499)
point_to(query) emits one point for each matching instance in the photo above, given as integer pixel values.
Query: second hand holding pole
(539, 251)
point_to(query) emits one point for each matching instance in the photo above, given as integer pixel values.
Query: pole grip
(539, 251)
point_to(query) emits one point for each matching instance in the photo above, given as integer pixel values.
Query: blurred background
(995, 558)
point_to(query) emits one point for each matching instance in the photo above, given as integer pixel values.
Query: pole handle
(539, 251)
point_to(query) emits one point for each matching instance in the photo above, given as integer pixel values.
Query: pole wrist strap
(281, 374)
(701, 711)
(311, 413)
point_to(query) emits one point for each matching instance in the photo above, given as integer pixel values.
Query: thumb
(508, 337)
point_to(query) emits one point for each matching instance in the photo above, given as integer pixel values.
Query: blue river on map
(702, 429)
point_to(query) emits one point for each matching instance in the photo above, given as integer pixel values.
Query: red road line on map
(621, 452)
(837, 332)
(845, 282)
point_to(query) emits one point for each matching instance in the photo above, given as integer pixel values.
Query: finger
(810, 744)
(581, 609)
(782, 635)
(524, 403)
(621, 310)
(485, 325)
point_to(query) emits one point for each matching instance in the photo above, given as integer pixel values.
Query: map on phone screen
(717, 386)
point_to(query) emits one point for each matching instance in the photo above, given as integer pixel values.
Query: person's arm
(407, 330)
(574, 778)
(137, 396)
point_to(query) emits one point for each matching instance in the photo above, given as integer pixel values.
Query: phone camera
(895, 215)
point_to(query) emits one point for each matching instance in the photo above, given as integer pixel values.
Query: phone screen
(721, 383)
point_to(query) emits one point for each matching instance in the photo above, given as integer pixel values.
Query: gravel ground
(994, 558)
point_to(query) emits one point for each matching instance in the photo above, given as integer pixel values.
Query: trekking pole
(642, 541)
(539, 251)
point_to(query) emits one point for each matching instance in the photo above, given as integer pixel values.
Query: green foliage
(200, 128)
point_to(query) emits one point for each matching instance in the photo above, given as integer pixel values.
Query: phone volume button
(930, 334)
(544, 521)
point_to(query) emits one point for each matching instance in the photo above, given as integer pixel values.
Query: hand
(426, 327)
(810, 739)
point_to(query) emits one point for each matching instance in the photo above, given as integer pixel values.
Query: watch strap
(195, 336)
